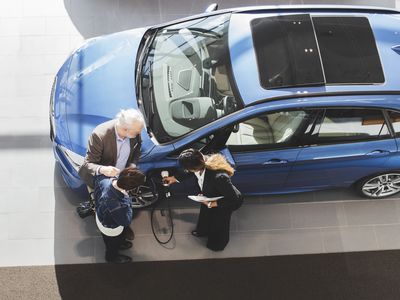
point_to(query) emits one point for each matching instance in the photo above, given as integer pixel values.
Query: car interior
(190, 75)
(267, 129)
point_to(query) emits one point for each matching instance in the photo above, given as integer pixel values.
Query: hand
(213, 203)
(169, 180)
(109, 171)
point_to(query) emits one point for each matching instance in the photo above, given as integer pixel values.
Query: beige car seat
(278, 128)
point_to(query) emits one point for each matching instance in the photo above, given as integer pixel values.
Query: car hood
(100, 82)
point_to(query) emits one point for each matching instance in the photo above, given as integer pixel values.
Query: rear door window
(395, 119)
(351, 125)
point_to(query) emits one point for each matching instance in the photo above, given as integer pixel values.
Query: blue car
(297, 98)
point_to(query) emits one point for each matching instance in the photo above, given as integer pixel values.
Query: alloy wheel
(382, 186)
(144, 195)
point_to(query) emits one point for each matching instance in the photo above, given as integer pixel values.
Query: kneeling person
(114, 210)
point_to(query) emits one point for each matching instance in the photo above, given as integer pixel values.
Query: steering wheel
(229, 104)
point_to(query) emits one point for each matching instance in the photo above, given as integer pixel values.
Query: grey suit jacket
(102, 151)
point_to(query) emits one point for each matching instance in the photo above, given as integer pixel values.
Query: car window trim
(389, 122)
(325, 94)
(387, 111)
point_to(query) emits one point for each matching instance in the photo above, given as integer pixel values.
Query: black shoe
(125, 245)
(129, 234)
(197, 234)
(85, 209)
(120, 259)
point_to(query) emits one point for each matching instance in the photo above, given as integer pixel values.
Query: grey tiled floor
(38, 223)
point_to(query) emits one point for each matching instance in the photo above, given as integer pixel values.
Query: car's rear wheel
(379, 186)
(144, 195)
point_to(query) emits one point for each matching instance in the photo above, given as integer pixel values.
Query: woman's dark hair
(191, 159)
(130, 178)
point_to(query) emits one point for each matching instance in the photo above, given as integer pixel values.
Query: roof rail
(308, 8)
(325, 94)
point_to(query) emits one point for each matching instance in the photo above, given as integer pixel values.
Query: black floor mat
(362, 275)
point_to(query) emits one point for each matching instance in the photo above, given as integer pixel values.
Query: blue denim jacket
(113, 208)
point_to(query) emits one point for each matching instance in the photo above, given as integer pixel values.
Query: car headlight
(51, 110)
(74, 159)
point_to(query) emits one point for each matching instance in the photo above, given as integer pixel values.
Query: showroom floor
(38, 223)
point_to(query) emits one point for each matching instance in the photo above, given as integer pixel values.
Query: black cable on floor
(167, 196)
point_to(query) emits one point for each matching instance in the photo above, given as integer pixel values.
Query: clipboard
(203, 198)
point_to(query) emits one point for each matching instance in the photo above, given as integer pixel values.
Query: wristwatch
(209, 205)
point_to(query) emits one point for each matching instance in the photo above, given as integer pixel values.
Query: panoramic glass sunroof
(297, 50)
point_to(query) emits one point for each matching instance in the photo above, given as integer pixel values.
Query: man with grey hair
(112, 146)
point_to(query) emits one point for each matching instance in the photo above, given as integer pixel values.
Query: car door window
(395, 119)
(351, 125)
(272, 130)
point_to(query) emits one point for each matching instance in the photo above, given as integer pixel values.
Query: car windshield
(186, 79)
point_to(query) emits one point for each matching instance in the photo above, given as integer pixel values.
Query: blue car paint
(100, 72)
(103, 69)
(342, 164)
(263, 172)
(60, 115)
(68, 173)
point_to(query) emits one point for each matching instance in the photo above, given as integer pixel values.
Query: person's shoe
(125, 245)
(197, 234)
(120, 259)
(129, 234)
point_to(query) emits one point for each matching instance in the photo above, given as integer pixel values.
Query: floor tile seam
(320, 227)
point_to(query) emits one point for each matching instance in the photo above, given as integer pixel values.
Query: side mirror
(236, 128)
(211, 8)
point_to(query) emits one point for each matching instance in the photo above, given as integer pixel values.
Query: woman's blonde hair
(217, 162)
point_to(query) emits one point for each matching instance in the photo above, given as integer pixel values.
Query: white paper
(203, 198)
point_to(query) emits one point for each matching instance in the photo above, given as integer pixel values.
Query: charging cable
(167, 196)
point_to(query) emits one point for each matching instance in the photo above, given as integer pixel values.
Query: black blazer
(217, 183)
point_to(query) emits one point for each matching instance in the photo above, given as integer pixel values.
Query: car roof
(385, 25)
(284, 8)
(310, 8)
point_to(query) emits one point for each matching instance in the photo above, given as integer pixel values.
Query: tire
(144, 195)
(379, 186)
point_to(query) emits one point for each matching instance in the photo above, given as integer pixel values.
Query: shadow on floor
(24, 142)
(359, 275)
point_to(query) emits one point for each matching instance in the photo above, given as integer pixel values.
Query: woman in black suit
(213, 176)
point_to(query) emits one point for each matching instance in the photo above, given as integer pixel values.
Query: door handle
(275, 161)
(378, 153)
